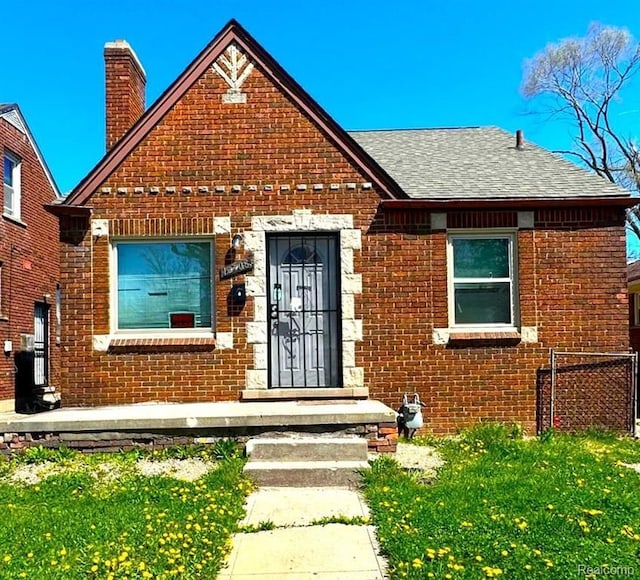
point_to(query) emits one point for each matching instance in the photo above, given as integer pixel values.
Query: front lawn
(99, 517)
(556, 507)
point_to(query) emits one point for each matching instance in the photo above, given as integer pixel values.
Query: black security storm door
(304, 311)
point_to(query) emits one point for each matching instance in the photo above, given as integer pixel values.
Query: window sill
(150, 344)
(483, 338)
(455, 337)
(15, 220)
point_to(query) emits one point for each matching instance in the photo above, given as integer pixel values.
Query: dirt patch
(185, 469)
(422, 458)
(34, 474)
(107, 472)
(634, 466)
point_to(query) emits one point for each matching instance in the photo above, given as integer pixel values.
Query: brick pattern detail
(163, 226)
(570, 218)
(413, 222)
(29, 259)
(382, 438)
(486, 219)
(571, 268)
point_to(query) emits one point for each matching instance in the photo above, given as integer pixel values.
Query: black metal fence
(588, 390)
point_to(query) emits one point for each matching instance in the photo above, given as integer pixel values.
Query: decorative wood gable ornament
(12, 116)
(233, 67)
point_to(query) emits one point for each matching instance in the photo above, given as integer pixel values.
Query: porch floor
(196, 416)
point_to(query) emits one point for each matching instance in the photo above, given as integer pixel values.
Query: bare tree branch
(580, 79)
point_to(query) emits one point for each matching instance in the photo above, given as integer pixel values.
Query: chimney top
(519, 140)
(124, 46)
(125, 82)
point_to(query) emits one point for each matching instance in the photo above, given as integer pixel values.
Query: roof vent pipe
(519, 140)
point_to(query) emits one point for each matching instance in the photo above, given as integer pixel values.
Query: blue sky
(370, 64)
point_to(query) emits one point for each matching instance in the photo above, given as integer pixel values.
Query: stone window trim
(508, 234)
(448, 336)
(482, 335)
(122, 344)
(130, 341)
(153, 334)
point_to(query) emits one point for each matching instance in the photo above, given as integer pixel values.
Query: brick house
(236, 243)
(29, 270)
(633, 281)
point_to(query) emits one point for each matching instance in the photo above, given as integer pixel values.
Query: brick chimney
(125, 82)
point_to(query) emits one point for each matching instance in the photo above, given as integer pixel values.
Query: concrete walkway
(297, 549)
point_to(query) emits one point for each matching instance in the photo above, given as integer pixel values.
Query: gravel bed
(184, 469)
(422, 458)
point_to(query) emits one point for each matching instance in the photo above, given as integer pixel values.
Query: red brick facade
(206, 159)
(29, 256)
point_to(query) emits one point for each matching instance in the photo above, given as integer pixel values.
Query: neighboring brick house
(29, 270)
(236, 243)
(633, 282)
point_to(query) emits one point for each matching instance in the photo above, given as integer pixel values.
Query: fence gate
(588, 390)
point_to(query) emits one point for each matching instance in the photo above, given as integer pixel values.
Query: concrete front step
(305, 473)
(302, 461)
(307, 449)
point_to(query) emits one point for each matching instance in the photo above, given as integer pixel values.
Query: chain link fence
(588, 390)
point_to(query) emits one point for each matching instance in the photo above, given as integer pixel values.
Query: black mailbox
(238, 294)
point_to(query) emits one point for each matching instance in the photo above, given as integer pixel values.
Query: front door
(41, 344)
(304, 312)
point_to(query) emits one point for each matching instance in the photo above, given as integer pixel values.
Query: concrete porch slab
(196, 416)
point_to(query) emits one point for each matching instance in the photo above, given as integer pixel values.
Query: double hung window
(482, 280)
(11, 178)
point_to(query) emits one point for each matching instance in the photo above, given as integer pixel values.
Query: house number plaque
(235, 269)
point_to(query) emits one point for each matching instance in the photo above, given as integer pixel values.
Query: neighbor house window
(636, 308)
(11, 185)
(482, 280)
(163, 285)
(58, 313)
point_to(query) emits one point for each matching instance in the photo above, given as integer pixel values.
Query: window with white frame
(482, 280)
(163, 285)
(11, 178)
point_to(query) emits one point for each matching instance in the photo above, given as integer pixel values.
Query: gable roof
(12, 114)
(232, 32)
(478, 163)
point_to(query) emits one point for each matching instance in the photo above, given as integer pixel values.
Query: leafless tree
(581, 80)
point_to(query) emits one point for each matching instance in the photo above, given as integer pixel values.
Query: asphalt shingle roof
(477, 162)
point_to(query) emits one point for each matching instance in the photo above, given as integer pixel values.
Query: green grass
(511, 508)
(74, 525)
